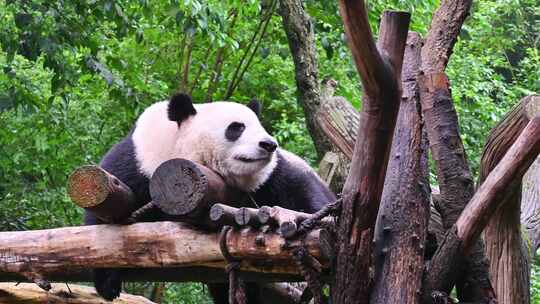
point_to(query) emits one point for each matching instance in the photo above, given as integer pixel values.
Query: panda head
(226, 137)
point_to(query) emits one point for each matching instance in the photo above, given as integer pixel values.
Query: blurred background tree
(75, 75)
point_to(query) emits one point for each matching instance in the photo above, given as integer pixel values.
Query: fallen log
(26, 293)
(145, 245)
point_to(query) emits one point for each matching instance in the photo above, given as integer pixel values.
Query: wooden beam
(144, 245)
(26, 293)
(380, 73)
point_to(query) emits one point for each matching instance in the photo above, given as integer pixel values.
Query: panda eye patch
(234, 131)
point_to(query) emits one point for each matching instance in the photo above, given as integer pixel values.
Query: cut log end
(288, 229)
(88, 186)
(177, 186)
(264, 215)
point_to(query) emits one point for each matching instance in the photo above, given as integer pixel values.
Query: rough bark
(379, 73)
(506, 249)
(339, 120)
(143, 245)
(453, 173)
(183, 188)
(100, 192)
(530, 204)
(301, 37)
(461, 237)
(401, 229)
(26, 293)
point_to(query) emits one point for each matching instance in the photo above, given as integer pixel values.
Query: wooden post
(98, 191)
(363, 189)
(400, 232)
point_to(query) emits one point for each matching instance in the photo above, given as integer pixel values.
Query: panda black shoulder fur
(224, 136)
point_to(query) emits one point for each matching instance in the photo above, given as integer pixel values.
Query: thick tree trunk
(400, 233)
(143, 245)
(460, 239)
(364, 185)
(453, 173)
(299, 30)
(507, 251)
(26, 293)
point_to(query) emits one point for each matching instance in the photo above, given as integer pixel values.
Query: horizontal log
(26, 293)
(172, 274)
(96, 190)
(183, 188)
(145, 245)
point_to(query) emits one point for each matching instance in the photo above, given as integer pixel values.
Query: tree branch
(461, 237)
(507, 250)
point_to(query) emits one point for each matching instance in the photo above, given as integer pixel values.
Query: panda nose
(268, 145)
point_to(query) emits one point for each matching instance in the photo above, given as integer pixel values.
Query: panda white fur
(224, 136)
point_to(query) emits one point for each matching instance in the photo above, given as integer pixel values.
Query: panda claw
(108, 283)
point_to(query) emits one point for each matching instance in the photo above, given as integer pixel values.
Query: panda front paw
(108, 283)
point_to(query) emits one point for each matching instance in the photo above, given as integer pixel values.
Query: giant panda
(228, 138)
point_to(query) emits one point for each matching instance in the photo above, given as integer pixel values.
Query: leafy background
(76, 74)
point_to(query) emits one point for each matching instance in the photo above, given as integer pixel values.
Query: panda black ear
(255, 106)
(180, 107)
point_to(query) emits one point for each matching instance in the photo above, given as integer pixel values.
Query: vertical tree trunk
(364, 185)
(400, 232)
(453, 173)
(299, 30)
(507, 251)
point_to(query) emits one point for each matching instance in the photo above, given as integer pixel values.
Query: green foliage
(535, 283)
(76, 74)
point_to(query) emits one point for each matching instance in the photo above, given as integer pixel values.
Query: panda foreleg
(107, 281)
